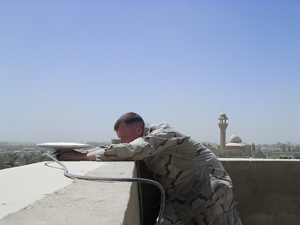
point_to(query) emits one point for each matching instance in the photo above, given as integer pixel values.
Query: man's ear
(139, 130)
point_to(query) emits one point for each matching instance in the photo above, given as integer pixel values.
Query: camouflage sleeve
(122, 151)
(162, 141)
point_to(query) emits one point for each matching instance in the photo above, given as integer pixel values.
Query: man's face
(129, 132)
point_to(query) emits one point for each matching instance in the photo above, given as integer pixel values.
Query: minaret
(223, 125)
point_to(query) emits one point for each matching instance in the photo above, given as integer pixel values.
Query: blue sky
(69, 69)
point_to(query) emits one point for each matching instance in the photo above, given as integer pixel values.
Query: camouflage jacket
(191, 174)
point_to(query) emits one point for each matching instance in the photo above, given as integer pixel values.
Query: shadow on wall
(149, 196)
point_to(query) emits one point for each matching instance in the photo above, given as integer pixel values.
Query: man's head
(129, 127)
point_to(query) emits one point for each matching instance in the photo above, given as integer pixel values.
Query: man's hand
(77, 156)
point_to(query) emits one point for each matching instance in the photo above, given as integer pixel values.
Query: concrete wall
(267, 190)
(41, 194)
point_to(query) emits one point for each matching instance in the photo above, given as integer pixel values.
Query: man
(198, 189)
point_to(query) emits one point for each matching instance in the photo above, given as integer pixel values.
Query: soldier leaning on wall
(198, 189)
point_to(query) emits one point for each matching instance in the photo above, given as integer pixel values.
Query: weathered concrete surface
(37, 194)
(267, 190)
(21, 186)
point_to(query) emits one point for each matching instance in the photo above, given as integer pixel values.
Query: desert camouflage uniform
(197, 187)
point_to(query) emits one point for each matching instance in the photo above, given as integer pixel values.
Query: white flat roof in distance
(257, 159)
(62, 145)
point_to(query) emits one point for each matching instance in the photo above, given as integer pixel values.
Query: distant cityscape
(14, 154)
(7, 146)
(22, 153)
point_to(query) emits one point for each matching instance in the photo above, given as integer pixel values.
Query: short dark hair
(129, 118)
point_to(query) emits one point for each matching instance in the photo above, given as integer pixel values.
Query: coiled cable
(142, 180)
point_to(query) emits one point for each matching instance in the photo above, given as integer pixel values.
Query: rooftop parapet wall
(39, 194)
(267, 190)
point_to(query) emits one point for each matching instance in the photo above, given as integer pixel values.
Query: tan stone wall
(267, 190)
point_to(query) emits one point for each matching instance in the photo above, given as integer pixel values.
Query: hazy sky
(69, 69)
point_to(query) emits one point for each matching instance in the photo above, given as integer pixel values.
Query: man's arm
(77, 156)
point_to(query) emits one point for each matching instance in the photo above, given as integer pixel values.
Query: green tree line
(13, 159)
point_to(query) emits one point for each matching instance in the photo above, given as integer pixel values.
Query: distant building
(235, 143)
(223, 125)
(284, 155)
